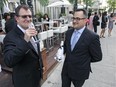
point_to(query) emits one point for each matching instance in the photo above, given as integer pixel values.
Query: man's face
(25, 18)
(79, 20)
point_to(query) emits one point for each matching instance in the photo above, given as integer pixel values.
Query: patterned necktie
(74, 39)
(34, 44)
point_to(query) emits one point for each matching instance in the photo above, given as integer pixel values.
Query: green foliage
(44, 2)
(88, 2)
(111, 4)
(39, 14)
(62, 14)
(71, 1)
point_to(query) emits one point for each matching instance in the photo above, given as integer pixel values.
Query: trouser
(66, 82)
(95, 28)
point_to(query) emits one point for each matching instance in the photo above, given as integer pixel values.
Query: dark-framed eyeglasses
(25, 16)
(77, 18)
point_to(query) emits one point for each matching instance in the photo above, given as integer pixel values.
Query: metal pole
(35, 6)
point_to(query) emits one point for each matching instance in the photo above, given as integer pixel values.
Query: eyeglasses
(25, 16)
(77, 18)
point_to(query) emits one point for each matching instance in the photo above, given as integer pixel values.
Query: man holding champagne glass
(21, 52)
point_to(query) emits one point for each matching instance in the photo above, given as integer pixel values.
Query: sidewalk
(104, 72)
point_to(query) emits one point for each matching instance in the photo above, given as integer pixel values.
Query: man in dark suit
(20, 52)
(80, 49)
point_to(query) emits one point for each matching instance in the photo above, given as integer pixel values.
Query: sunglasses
(25, 16)
(77, 18)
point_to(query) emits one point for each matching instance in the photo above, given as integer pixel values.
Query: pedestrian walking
(103, 24)
(81, 48)
(95, 22)
(90, 25)
(110, 24)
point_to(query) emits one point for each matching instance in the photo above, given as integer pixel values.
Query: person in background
(46, 18)
(22, 52)
(70, 19)
(0, 24)
(95, 21)
(103, 24)
(11, 23)
(6, 17)
(89, 14)
(99, 14)
(81, 48)
(90, 25)
(110, 24)
(70, 16)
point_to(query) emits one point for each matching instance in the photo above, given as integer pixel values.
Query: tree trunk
(75, 5)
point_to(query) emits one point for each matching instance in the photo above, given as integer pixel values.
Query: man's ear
(86, 20)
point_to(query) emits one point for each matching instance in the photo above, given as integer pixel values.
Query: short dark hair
(95, 13)
(112, 14)
(19, 7)
(83, 10)
(12, 15)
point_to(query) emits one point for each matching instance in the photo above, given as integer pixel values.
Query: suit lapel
(31, 46)
(69, 38)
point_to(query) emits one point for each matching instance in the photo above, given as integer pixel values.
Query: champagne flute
(36, 39)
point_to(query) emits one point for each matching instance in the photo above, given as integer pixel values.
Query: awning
(60, 4)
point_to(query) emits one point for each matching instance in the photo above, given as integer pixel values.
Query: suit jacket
(22, 57)
(86, 50)
(95, 20)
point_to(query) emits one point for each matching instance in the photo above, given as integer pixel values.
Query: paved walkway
(104, 72)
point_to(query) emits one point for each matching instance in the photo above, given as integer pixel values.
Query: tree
(2, 2)
(72, 1)
(44, 2)
(112, 4)
(88, 2)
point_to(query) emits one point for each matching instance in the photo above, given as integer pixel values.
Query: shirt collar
(80, 30)
(22, 29)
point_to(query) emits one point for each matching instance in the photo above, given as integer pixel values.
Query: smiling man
(20, 51)
(81, 47)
